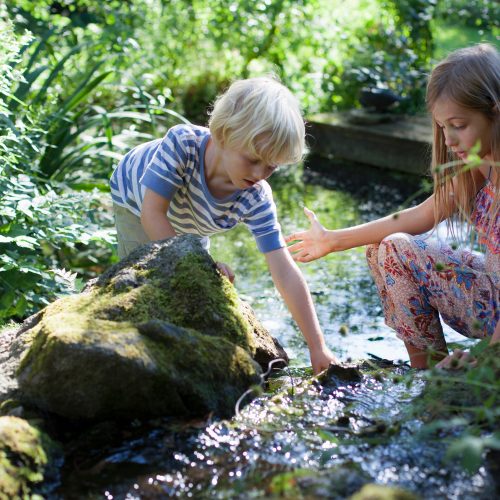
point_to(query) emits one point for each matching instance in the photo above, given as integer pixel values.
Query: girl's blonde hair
(261, 117)
(470, 77)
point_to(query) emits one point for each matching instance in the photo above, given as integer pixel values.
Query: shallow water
(297, 440)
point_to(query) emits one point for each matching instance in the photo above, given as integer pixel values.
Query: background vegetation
(82, 81)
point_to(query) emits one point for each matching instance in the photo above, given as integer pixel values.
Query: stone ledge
(402, 143)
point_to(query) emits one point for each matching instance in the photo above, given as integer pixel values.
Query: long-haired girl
(418, 280)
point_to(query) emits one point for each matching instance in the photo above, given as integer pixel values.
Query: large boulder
(160, 333)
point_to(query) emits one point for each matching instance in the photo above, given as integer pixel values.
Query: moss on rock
(159, 334)
(23, 457)
(207, 302)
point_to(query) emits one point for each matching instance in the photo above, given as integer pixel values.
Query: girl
(417, 280)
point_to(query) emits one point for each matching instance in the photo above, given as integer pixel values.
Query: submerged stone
(382, 492)
(160, 333)
(340, 375)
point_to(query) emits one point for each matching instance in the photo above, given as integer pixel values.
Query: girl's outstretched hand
(311, 244)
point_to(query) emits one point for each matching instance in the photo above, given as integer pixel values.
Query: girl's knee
(397, 239)
(394, 244)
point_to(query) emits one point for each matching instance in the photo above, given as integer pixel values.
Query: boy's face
(243, 170)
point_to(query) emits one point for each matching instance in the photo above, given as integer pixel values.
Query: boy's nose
(260, 173)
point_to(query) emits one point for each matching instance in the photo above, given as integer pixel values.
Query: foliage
(464, 406)
(484, 14)
(390, 52)
(38, 224)
(39, 220)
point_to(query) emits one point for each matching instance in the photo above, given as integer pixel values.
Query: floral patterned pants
(417, 280)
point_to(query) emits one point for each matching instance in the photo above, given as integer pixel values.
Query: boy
(205, 181)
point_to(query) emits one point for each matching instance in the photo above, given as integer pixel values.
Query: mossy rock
(160, 333)
(24, 458)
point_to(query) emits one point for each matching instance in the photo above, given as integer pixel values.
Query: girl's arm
(318, 241)
(153, 216)
(293, 288)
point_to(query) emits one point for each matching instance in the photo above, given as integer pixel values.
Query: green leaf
(26, 242)
(469, 450)
(327, 436)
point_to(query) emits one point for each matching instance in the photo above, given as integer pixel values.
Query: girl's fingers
(458, 359)
(296, 247)
(295, 236)
(303, 256)
(307, 258)
(310, 214)
(298, 256)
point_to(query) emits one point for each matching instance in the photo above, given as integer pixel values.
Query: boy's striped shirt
(173, 167)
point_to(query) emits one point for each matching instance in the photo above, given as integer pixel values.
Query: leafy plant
(38, 219)
(484, 14)
(464, 406)
(391, 52)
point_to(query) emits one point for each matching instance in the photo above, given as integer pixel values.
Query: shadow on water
(301, 438)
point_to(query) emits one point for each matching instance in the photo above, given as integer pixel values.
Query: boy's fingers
(226, 271)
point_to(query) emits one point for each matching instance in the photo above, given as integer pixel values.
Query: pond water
(299, 439)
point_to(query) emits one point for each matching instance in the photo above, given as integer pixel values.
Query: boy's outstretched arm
(293, 288)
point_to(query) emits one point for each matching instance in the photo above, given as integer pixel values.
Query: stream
(297, 438)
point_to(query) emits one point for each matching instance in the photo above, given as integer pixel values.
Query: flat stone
(401, 143)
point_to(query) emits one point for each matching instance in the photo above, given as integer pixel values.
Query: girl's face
(463, 128)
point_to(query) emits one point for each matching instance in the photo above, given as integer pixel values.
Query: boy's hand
(311, 244)
(321, 359)
(225, 270)
(456, 361)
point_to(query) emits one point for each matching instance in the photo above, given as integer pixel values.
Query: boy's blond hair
(260, 117)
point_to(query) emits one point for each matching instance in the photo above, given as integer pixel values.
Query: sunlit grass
(449, 37)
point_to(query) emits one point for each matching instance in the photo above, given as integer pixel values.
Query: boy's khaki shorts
(129, 231)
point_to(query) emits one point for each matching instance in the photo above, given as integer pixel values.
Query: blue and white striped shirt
(173, 167)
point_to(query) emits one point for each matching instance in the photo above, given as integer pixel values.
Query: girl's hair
(261, 117)
(470, 77)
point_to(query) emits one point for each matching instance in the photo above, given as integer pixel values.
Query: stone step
(395, 142)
